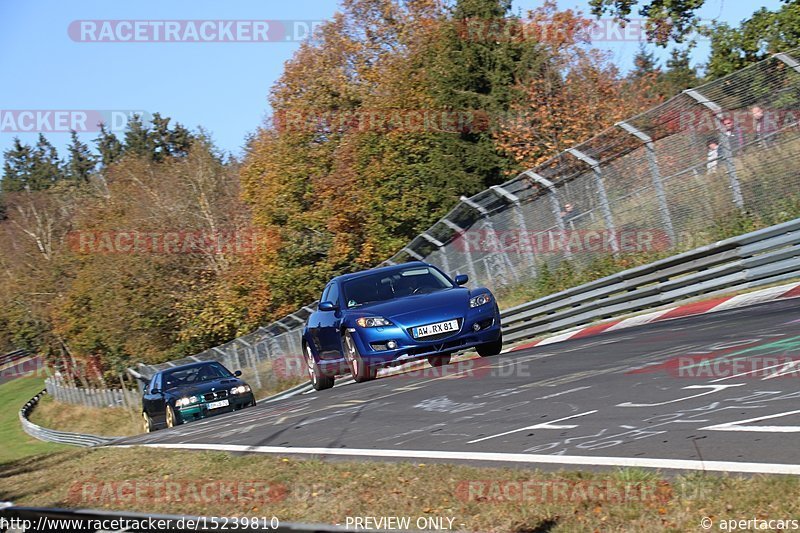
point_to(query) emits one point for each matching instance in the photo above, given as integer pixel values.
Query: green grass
(107, 421)
(16, 443)
(310, 490)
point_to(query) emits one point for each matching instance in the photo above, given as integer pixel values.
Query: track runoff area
(715, 392)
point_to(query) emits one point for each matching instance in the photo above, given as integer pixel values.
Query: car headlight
(373, 322)
(479, 300)
(241, 389)
(186, 401)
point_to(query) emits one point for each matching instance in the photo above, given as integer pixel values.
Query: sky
(49, 63)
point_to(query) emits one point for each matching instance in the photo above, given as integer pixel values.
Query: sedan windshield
(396, 284)
(195, 374)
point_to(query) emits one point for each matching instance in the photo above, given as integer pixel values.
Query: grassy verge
(16, 443)
(329, 492)
(109, 421)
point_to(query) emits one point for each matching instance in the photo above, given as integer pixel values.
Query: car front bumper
(409, 348)
(200, 410)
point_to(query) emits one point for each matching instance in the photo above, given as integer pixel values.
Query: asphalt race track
(717, 392)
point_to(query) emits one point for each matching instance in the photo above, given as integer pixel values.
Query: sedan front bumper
(201, 410)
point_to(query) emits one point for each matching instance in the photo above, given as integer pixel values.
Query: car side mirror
(237, 373)
(328, 306)
(462, 279)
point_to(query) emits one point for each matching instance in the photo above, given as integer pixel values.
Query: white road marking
(544, 425)
(563, 392)
(637, 462)
(714, 388)
(737, 425)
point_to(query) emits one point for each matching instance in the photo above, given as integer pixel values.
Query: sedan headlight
(373, 322)
(186, 401)
(479, 300)
(241, 389)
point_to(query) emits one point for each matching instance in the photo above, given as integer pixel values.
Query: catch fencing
(657, 182)
(91, 397)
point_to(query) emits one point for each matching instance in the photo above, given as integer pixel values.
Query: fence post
(605, 207)
(440, 246)
(725, 143)
(655, 173)
(251, 361)
(555, 206)
(516, 206)
(487, 222)
(467, 252)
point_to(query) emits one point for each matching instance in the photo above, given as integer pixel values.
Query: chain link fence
(653, 183)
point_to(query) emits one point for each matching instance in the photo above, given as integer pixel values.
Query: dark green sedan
(191, 392)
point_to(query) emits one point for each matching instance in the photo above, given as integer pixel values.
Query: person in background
(733, 134)
(568, 213)
(713, 156)
(763, 128)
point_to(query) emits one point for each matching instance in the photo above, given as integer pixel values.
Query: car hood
(420, 308)
(204, 387)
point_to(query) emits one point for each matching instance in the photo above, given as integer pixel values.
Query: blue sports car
(391, 315)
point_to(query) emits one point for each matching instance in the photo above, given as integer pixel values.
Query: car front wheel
(490, 348)
(147, 423)
(318, 380)
(359, 369)
(172, 420)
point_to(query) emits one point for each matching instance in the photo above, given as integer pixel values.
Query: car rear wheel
(439, 360)
(147, 423)
(359, 369)
(318, 380)
(490, 348)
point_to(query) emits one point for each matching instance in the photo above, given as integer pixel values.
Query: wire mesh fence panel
(666, 180)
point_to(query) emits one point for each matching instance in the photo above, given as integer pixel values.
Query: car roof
(189, 365)
(391, 268)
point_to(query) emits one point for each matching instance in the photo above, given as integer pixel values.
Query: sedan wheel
(172, 420)
(147, 423)
(318, 380)
(359, 369)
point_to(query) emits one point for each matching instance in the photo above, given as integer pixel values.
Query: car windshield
(395, 284)
(195, 374)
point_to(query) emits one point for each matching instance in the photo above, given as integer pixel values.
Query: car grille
(217, 395)
(439, 336)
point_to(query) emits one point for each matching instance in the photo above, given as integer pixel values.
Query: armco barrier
(765, 256)
(51, 435)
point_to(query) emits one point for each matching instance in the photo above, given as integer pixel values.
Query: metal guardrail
(44, 519)
(765, 256)
(52, 435)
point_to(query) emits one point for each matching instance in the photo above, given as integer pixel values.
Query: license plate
(216, 405)
(436, 329)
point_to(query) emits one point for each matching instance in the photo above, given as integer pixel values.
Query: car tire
(171, 419)
(147, 423)
(439, 360)
(318, 380)
(359, 369)
(490, 348)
